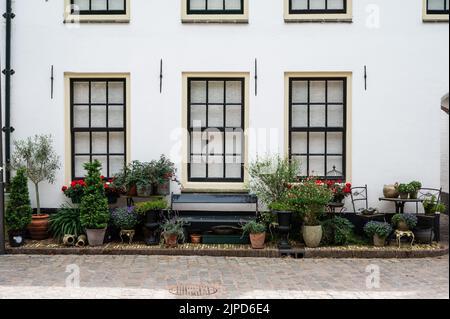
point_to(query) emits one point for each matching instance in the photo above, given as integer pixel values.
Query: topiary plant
(94, 209)
(337, 231)
(19, 211)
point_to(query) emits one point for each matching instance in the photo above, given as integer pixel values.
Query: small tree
(19, 211)
(37, 156)
(94, 209)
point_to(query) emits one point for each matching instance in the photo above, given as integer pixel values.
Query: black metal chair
(428, 193)
(359, 194)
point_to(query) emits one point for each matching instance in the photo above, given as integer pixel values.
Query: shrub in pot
(66, 222)
(172, 230)
(135, 177)
(404, 222)
(125, 219)
(432, 206)
(404, 190)
(164, 172)
(257, 232)
(94, 210)
(151, 211)
(18, 212)
(379, 231)
(41, 162)
(337, 231)
(415, 187)
(309, 198)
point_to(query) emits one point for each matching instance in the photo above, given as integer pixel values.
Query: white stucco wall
(444, 147)
(395, 131)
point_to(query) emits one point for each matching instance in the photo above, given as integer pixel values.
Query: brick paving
(148, 277)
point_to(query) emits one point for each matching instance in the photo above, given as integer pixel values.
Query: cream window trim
(67, 128)
(187, 186)
(213, 18)
(94, 18)
(349, 140)
(432, 17)
(327, 17)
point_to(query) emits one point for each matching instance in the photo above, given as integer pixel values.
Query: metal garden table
(400, 203)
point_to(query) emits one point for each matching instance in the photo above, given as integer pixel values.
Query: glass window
(317, 6)
(92, 7)
(438, 6)
(215, 6)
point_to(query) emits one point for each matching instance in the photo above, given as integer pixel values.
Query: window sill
(215, 19)
(97, 19)
(191, 187)
(316, 19)
(435, 18)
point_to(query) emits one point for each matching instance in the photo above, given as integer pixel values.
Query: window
(97, 11)
(215, 11)
(98, 124)
(318, 10)
(216, 122)
(318, 125)
(438, 7)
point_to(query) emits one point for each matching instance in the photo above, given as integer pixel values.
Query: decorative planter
(258, 240)
(390, 191)
(96, 237)
(378, 241)
(69, 240)
(151, 228)
(402, 226)
(424, 235)
(145, 191)
(404, 195)
(196, 239)
(127, 233)
(15, 239)
(39, 227)
(312, 235)
(284, 227)
(112, 199)
(132, 191)
(163, 189)
(414, 195)
(81, 241)
(171, 240)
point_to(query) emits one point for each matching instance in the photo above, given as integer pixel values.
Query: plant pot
(145, 191)
(378, 241)
(39, 227)
(404, 195)
(196, 239)
(424, 235)
(312, 235)
(171, 240)
(132, 191)
(15, 239)
(81, 241)
(390, 191)
(163, 189)
(258, 240)
(76, 201)
(96, 237)
(112, 199)
(402, 226)
(414, 195)
(284, 227)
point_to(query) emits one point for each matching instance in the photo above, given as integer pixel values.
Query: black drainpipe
(8, 72)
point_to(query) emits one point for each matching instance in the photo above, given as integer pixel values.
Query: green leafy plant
(382, 229)
(137, 174)
(253, 227)
(432, 206)
(405, 188)
(337, 231)
(39, 159)
(164, 170)
(409, 219)
(173, 226)
(66, 221)
(415, 185)
(125, 218)
(441, 208)
(309, 198)
(94, 210)
(271, 176)
(157, 205)
(19, 211)
(281, 206)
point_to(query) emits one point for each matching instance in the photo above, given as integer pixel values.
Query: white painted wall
(395, 131)
(444, 147)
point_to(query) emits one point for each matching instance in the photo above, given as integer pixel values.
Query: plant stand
(129, 234)
(400, 234)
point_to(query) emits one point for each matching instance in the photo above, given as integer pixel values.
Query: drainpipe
(2, 185)
(8, 72)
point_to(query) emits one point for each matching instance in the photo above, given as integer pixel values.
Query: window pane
(232, 4)
(198, 166)
(336, 4)
(233, 168)
(81, 116)
(215, 143)
(299, 143)
(198, 92)
(215, 4)
(116, 164)
(197, 4)
(116, 5)
(234, 142)
(99, 142)
(81, 92)
(116, 92)
(215, 166)
(79, 165)
(215, 94)
(299, 4)
(234, 116)
(82, 143)
(335, 163)
(317, 166)
(335, 143)
(81, 5)
(234, 92)
(97, 5)
(335, 92)
(198, 115)
(436, 4)
(117, 142)
(335, 115)
(317, 4)
(98, 92)
(299, 115)
(317, 92)
(303, 163)
(115, 116)
(317, 114)
(98, 116)
(300, 92)
(104, 161)
(316, 143)
(198, 143)
(215, 116)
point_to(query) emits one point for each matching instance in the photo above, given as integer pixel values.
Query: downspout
(2, 185)
(8, 72)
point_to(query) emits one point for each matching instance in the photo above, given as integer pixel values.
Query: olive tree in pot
(94, 209)
(18, 211)
(257, 232)
(379, 231)
(37, 156)
(309, 198)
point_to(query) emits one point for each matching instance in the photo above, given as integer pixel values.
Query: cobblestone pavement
(152, 276)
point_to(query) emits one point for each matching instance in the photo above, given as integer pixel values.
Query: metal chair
(428, 193)
(359, 194)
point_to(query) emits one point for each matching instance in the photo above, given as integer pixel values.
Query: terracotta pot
(402, 226)
(196, 239)
(39, 227)
(258, 240)
(171, 240)
(312, 235)
(145, 191)
(378, 241)
(163, 189)
(391, 191)
(96, 237)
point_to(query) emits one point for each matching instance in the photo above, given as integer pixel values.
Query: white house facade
(352, 88)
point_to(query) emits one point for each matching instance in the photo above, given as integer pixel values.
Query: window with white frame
(317, 6)
(99, 7)
(98, 124)
(317, 126)
(215, 6)
(216, 120)
(437, 7)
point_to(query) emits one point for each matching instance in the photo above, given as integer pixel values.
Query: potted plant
(404, 190)
(94, 210)
(164, 173)
(66, 222)
(379, 231)
(257, 232)
(337, 231)
(125, 219)
(340, 190)
(75, 191)
(404, 222)
(415, 187)
(18, 211)
(41, 162)
(111, 191)
(151, 209)
(196, 238)
(136, 179)
(172, 230)
(310, 198)
(432, 206)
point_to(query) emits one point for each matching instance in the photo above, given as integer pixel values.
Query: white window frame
(433, 17)
(321, 17)
(69, 17)
(213, 18)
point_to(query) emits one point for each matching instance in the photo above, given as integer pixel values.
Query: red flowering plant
(339, 189)
(75, 191)
(111, 190)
